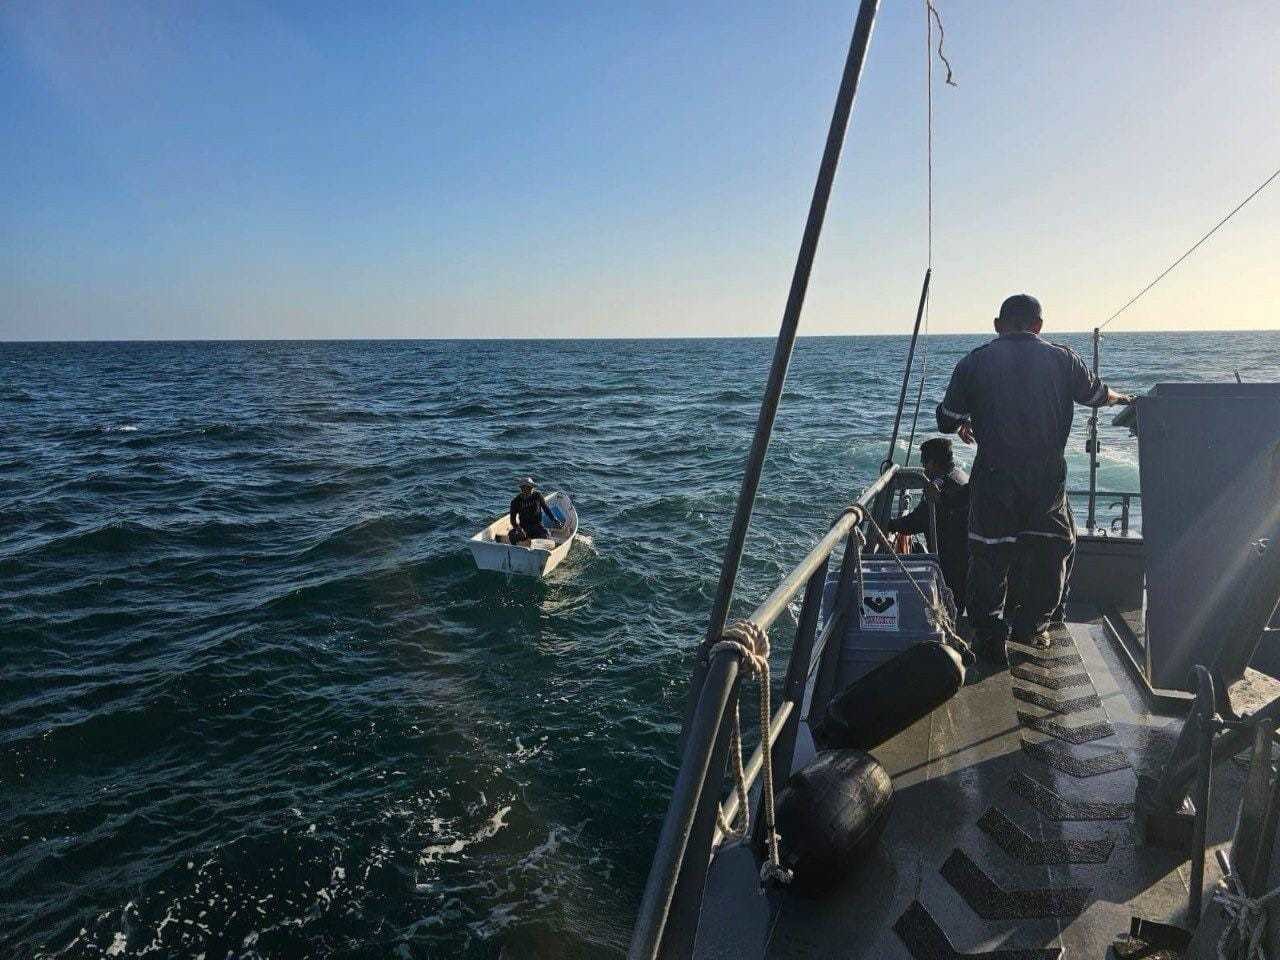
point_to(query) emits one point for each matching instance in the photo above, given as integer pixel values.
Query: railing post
(1124, 515)
(1206, 727)
(848, 608)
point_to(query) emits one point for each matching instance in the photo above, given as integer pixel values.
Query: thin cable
(929, 14)
(1192, 249)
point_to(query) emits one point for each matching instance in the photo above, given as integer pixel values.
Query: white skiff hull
(539, 558)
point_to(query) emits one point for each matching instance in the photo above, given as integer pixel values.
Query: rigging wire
(1192, 249)
(930, 15)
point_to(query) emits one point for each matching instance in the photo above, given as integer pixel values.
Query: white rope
(751, 644)
(1246, 921)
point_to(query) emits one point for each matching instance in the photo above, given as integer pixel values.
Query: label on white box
(880, 610)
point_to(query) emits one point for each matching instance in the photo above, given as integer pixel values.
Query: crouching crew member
(947, 493)
(1014, 395)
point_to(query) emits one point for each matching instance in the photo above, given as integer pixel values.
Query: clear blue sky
(244, 169)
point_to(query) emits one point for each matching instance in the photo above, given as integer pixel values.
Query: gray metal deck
(1012, 827)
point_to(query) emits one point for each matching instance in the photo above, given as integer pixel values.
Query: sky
(320, 170)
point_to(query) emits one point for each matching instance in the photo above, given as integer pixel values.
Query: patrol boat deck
(1012, 826)
(1026, 823)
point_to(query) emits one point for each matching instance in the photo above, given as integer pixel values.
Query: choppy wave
(257, 702)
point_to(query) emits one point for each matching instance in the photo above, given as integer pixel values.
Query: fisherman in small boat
(527, 509)
(1015, 396)
(948, 493)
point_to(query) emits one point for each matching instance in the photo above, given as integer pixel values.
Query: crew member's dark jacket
(1018, 393)
(952, 506)
(527, 510)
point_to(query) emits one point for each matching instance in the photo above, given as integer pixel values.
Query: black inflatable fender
(890, 698)
(830, 815)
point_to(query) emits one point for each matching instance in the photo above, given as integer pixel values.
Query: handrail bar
(768, 611)
(1107, 493)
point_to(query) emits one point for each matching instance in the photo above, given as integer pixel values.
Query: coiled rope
(1246, 921)
(751, 644)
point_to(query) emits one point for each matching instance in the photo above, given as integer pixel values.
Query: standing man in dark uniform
(1014, 395)
(947, 496)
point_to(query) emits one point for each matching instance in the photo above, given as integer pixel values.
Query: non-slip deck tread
(1021, 655)
(1016, 842)
(992, 902)
(1085, 733)
(1057, 808)
(925, 940)
(1050, 681)
(1073, 705)
(1061, 758)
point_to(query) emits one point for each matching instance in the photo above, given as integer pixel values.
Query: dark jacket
(1017, 392)
(952, 508)
(527, 510)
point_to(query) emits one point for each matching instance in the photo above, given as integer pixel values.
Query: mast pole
(906, 375)
(786, 341)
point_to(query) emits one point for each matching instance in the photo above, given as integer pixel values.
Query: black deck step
(1060, 757)
(991, 902)
(925, 940)
(1017, 843)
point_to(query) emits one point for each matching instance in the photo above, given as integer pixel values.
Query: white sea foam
(440, 851)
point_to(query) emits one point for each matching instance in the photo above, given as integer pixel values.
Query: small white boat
(533, 558)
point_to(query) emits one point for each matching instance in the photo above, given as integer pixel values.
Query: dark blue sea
(257, 702)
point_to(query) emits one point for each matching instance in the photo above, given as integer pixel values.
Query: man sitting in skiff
(527, 508)
(948, 493)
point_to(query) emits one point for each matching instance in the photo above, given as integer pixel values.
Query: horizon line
(499, 339)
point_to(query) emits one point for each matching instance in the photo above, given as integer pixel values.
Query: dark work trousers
(1016, 588)
(1019, 521)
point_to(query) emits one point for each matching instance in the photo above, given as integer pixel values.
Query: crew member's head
(936, 457)
(527, 485)
(1019, 314)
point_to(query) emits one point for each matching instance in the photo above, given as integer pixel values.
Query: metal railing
(1119, 502)
(669, 909)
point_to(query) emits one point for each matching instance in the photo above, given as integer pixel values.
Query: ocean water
(255, 700)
